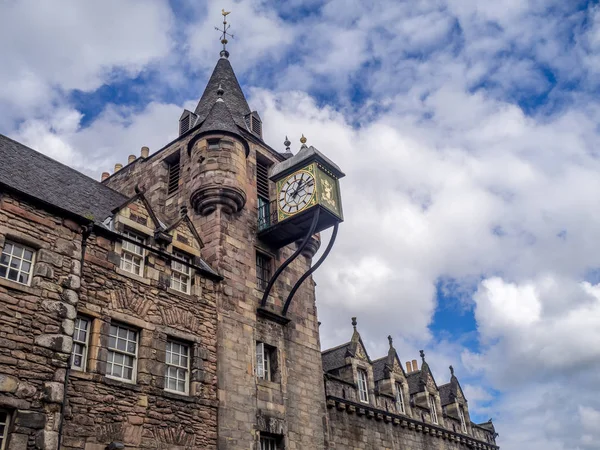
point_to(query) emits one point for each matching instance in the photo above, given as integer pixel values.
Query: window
(173, 167)
(433, 410)
(181, 279)
(269, 443)
(177, 376)
(266, 361)
(80, 343)
(399, 399)
(16, 262)
(263, 270)
(132, 255)
(184, 124)
(262, 188)
(463, 422)
(4, 424)
(122, 352)
(363, 389)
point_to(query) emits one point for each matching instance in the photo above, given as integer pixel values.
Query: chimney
(145, 152)
(105, 175)
(415, 365)
(118, 167)
(408, 367)
(130, 159)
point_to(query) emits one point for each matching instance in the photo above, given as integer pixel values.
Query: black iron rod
(311, 270)
(287, 262)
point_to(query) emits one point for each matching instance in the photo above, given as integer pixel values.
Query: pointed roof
(233, 96)
(219, 118)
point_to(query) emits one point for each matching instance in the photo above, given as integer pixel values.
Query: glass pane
(121, 344)
(113, 330)
(23, 278)
(4, 259)
(123, 333)
(131, 336)
(28, 255)
(117, 371)
(131, 347)
(13, 275)
(8, 248)
(15, 262)
(128, 360)
(2, 272)
(118, 359)
(26, 267)
(112, 342)
(181, 386)
(77, 361)
(128, 373)
(17, 251)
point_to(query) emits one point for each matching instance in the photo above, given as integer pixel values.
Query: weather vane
(224, 33)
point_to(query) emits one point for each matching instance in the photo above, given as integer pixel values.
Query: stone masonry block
(53, 392)
(46, 440)
(8, 383)
(47, 256)
(62, 310)
(55, 342)
(30, 419)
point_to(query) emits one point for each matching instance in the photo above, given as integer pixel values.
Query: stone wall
(36, 322)
(355, 425)
(143, 414)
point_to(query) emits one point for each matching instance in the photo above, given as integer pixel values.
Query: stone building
(131, 312)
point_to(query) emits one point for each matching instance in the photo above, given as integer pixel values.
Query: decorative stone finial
(303, 140)
(220, 91)
(287, 144)
(183, 211)
(451, 371)
(390, 340)
(354, 323)
(422, 353)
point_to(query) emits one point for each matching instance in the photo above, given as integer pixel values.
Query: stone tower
(269, 370)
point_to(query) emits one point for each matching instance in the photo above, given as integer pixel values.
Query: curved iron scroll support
(287, 262)
(311, 270)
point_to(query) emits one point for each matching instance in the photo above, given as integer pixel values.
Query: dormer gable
(357, 348)
(137, 214)
(184, 236)
(187, 121)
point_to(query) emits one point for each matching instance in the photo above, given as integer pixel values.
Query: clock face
(297, 192)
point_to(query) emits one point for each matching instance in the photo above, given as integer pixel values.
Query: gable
(397, 370)
(185, 238)
(360, 352)
(135, 214)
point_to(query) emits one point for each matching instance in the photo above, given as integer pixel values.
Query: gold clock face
(296, 192)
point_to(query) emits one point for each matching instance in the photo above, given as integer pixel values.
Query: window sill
(76, 373)
(133, 276)
(19, 287)
(181, 294)
(178, 396)
(268, 384)
(122, 383)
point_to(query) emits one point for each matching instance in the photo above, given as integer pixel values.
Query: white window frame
(79, 343)
(133, 255)
(4, 432)
(181, 274)
(433, 410)
(20, 260)
(463, 422)
(114, 351)
(264, 353)
(268, 443)
(169, 363)
(363, 385)
(400, 399)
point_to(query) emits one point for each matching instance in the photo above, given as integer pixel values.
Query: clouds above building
(468, 133)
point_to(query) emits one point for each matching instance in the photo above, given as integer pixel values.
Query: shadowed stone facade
(163, 257)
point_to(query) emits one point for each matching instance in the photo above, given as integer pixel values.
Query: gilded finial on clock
(303, 139)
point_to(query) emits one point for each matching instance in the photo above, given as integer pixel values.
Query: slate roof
(45, 179)
(233, 96)
(305, 154)
(379, 368)
(219, 118)
(335, 358)
(414, 382)
(446, 394)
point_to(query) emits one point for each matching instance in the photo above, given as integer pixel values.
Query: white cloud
(447, 176)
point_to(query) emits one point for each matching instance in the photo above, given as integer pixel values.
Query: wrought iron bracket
(288, 261)
(311, 270)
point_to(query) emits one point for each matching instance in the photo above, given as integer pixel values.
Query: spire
(224, 53)
(223, 80)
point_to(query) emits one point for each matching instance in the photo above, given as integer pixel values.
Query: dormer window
(254, 123)
(463, 422)
(186, 122)
(400, 399)
(433, 410)
(363, 387)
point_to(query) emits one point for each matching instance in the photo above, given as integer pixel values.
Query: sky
(468, 131)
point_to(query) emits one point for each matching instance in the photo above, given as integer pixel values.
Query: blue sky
(469, 134)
